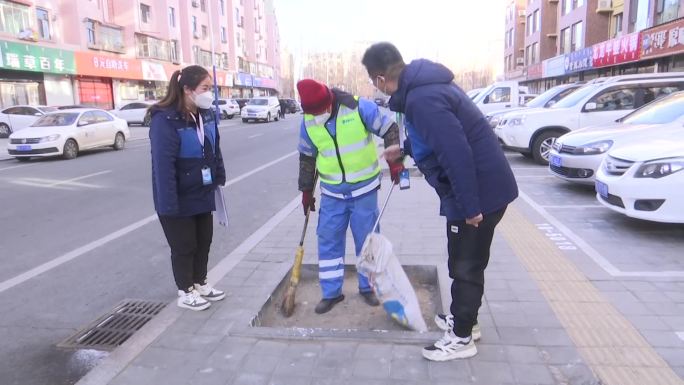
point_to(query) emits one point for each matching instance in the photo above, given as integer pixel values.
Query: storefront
(33, 74)
(244, 86)
(663, 46)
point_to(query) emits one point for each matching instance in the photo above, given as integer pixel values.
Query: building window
(173, 51)
(537, 58)
(565, 41)
(537, 21)
(666, 10)
(172, 17)
(14, 17)
(148, 47)
(617, 25)
(224, 36)
(205, 58)
(205, 33)
(203, 5)
(110, 38)
(578, 3)
(224, 60)
(43, 23)
(567, 6)
(530, 25)
(90, 31)
(194, 26)
(223, 7)
(577, 40)
(145, 13)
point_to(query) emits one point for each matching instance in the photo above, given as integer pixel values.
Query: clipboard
(221, 207)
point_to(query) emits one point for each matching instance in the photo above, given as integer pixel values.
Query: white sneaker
(446, 322)
(209, 293)
(450, 347)
(192, 300)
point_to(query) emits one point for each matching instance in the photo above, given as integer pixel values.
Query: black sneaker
(327, 304)
(370, 299)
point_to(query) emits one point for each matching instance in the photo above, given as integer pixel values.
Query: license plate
(251, 114)
(24, 148)
(555, 161)
(602, 189)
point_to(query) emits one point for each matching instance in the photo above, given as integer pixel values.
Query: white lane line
(69, 181)
(13, 167)
(680, 335)
(571, 206)
(47, 266)
(117, 361)
(254, 136)
(599, 259)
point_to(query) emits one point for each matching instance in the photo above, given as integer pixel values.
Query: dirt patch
(353, 312)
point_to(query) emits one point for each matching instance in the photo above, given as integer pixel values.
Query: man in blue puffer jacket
(461, 159)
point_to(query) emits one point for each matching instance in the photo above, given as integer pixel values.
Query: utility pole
(213, 59)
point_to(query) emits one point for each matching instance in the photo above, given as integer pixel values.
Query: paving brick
(371, 368)
(650, 322)
(532, 374)
(251, 379)
(524, 355)
(211, 376)
(523, 336)
(560, 355)
(269, 348)
(552, 337)
(367, 350)
(491, 353)
(662, 339)
(290, 380)
(339, 350)
(652, 296)
(574, 374)
(187, 341)
(517, 320)
(491, 373)
(169, 358)
(329, 367)
(453, 370)
(137, 375)
(259, 363)
(296, 365)
(407, 352)
(665, 308)
(409, 369)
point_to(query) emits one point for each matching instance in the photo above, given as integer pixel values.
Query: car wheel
(542, 146)
(277, 117)
(70, 149)
(119, 141)
(23, 158)
(224, 115)
(5, 130)
(231, 116)
(146, 120)
(268, 117)
(244, 120)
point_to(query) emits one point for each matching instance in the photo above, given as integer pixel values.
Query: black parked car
(291, 106)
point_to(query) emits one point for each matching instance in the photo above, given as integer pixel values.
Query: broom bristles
(289, 301)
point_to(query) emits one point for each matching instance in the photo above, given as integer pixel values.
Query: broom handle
(384, 206)
(308, 210)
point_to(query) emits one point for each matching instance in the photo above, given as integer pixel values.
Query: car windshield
(58, 119)
(661, 111)
(576, 97)
(541, 100)
(481, 95)
(258, 102)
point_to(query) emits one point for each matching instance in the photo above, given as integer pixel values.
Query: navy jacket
(452, 143)
(177, 162)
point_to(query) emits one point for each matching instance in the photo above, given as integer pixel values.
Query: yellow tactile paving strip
(607, 341)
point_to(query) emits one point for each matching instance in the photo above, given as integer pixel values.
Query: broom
(289, 298)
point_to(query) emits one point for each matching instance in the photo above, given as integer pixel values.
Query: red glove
(395, 169)
(308, 201)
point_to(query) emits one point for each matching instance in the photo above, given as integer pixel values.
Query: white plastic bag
(390, 283)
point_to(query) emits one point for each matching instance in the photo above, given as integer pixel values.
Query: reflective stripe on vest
(350, 156)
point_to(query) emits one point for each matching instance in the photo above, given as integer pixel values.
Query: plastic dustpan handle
(382, 211)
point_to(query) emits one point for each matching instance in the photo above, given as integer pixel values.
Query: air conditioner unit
(522, 13)
(604, 6)
(196, 34)
(520, 61)
(553, 1)
(195, 3)
(552, 35)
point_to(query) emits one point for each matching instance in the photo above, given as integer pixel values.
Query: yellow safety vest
(350, 156)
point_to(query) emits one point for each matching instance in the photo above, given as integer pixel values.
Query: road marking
(254, 136)
(13, 167)
(680, 335)
(119, 359)
(47, 266)
(572, 206)
(592, 253)
(68, 181)
(59, 184)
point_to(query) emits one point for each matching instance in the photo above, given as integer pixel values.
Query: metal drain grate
(115, 327)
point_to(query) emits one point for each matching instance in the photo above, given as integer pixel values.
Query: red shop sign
(622, 49)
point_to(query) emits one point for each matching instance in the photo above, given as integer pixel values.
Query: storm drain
(115, 327)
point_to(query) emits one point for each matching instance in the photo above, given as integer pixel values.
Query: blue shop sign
(579, 60)
(243, 79)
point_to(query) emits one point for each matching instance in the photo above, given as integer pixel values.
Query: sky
(462, 34)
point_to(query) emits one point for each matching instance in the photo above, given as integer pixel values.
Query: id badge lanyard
(200, 129)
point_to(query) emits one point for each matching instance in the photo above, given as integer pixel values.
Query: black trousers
(190, 240)
(468, 257)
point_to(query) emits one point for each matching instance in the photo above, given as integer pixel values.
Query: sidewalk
(543, 321)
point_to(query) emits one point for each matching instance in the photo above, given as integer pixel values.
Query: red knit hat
(315, 97)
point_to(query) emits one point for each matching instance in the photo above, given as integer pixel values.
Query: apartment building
(514, 41)
(107, 53)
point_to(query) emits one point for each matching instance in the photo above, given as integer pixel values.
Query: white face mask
(203, 100)
(322, 118)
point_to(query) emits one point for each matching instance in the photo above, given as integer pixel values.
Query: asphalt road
(88, 224)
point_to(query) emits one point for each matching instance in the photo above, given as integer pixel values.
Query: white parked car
(645, 180)
(67, 132)
(533, 131)
(547, 99)
(474, 92)
(264, 108)
(17, 118)
(576, 156)
(228, 107)
(134, 113)
(499, 96)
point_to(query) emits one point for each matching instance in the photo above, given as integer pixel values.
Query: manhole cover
(115, 327)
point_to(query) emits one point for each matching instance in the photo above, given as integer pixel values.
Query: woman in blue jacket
(187, 166)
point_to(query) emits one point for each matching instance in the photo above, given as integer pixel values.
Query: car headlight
(593, 148)
(557, 145)
(516, 120)
(50, 138)
(660, 168)
(494, 121)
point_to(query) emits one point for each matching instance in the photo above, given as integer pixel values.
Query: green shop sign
(27, 57)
